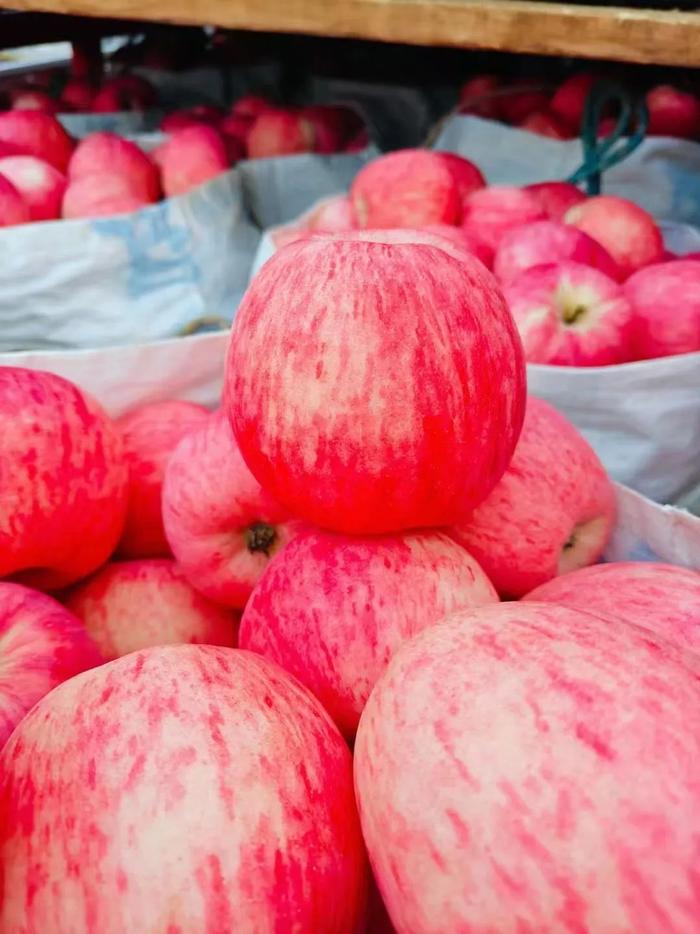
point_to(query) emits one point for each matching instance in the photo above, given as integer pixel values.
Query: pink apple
(125, 92)
(545, 123)
(64, 480)
(528, 767)
(132, 605)
(189, 158)
(569, 100)
(627, 232)
(41, 645)
(13, 208)
(570, 315)
(279, 133)
(461, 238)
(40, 185)
(31, 99)
(334, 215)
(673, 112)
(251, 105)
(542, 242)
(489, 213)
(660, 597)
(665, 301)
(479, 96)
(223, 528)
(468, 176)
(78, 95)
(408, 188)
(107, 153)
(374, 387)
(451, 240)
(100, 195)
(555, 198)
(551, 512)
(33, 133)
(191, 788)
(151, 432)
(332, 610)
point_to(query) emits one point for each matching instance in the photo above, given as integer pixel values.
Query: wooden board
(668, 37)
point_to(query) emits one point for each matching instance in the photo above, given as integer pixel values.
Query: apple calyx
(259, 536)
(571, 313)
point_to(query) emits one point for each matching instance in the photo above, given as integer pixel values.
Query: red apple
(359, 142)
(190, 157)
(41, 645)
(374, 387)
(33, 133)
(332, 610)
(132, 605)
(461, 238)
(151, 432)
(279, 133)
(665, 301)
(545, 123)
(100, 195)
(235, 125)
(457, 244)
(555, 198)
(251, 105)
(332, 125)
(40, 185)
(478, 96)
(542, 242)
(570, 315)
(673, 112)
(627, 232)
(660, 597)
(125, 92)
(30, 99)
(13, 208)
(408, 188)
(490, 212)
(521, 100)
(551, 512)
(78, 95)
(107, 153)
(466, 174)
(334, 215)
(223, 528)
(526, 767)
(569, 100)
(64, 480)
(183, 788)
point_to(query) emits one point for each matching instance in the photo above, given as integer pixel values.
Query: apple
(660, 597)
(64, 480)
(526, 767)
(555, 198)
(627, 232)
(468, 176)
(41, 645)
(332, 125)
(479, 96)
(489, 213)
(106, 153)
(673, 112)
(334, 215)
(151, 432)
(359, 142)
(542, 242)
(190, 157)
(180, 788)
(569, 314)
(100, 195)
(251, 105)
(451, 240)
(132, 605)
(223, 528)
(408, 188)
(569, 100)
(545, 123)
(665, 300)
(374, 387)
(521, 100)
(279, 133)
(234, 125)
(551, 512)
(31, 99)
(40, 185)
(34, 133)
(13, 208)
(461, 238)
(125, 92)
(332, 610)
(77, 95)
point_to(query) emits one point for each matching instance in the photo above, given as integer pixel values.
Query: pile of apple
(588, 280)
(558, 114)
(373, 484)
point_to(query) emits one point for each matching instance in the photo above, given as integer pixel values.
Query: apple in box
(279, 133)
(489, 213)
(479, 96)
(34, 133)
(555, 198)
(189, 158)
(673, 112)
(32, 99)
(109, 154)
(100, 195)
(546, 123)
(40, 185)
(665, 299)
(13, 208)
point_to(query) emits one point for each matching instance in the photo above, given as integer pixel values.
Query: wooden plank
(618, 33)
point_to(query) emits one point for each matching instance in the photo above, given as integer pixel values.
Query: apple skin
(489, 213)
(468, 176)
(334, 215)
(517, 767)
(627, 232)
(132, 605)
(41, 645)
(665, 299)
(466, 241)
(673, 112)
(34, 133)
(452, 240)
(151, 433)
(63, 477)
(555, 198)
(546, 123)
(408, 188)
(552, 510)
(570, 315)
(13, 208)
(375, 387)
(78, 95)
(30, 99)
(107, 153)
(543, 242)
(279, 133)
(40, 185)
(125, 92)
(521, 101)
(251, 105)
(332, 610)
(569, 100)
(190, 157)
(663, 598)
(223, 528)
(191, 788)
(478, 97)
(100, 195)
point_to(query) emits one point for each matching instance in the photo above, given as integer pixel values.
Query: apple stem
(570, 542)
(571, 315)
(260, 537)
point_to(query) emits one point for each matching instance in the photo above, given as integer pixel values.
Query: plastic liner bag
(125, 123)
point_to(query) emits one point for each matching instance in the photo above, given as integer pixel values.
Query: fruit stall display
(337, 619)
